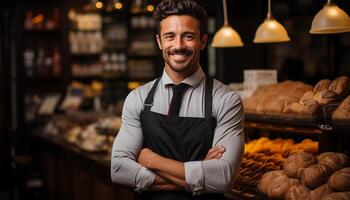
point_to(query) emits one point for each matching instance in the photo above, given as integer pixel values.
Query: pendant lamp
(331, 19)
(270, 30)
(226, 35)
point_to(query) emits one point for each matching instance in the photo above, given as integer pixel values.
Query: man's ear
(159, 42)
(204, 41)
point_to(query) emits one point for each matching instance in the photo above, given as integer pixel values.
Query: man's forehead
(179, 22)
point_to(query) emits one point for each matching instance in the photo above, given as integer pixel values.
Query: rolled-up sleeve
(218, 175)
(124, 167)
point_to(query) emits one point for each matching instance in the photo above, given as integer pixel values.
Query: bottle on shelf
(28, 25)
(56, 61)
(28, 61)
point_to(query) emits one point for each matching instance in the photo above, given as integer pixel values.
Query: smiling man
(182, 134)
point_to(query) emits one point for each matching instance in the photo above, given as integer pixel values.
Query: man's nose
(179, 43)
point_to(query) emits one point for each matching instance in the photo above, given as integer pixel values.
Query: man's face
(180, 42)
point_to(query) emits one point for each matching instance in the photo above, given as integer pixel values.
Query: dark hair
(181, 7)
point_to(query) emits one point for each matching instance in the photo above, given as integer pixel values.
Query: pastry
(340, 180)
(298, 160)
(333, 160)
(280, 185)
(337, 196)
(319, 192)
(341, 86)
(297, 192)
(315, 175)
(307, 96)
(267, 178)
(326, 97)
(322, 85)
(343, 111)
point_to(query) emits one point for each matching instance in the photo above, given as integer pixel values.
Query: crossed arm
(170, 174)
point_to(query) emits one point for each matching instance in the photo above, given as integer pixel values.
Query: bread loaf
(249, 104)
(333, 160)
(298, 160)
(341, 86)
(326, 97)
(337, 196)
(280, 185)
(297, 192)
(267, 178)
(310, 107)
(315, 175)
(307, 96)
(322, 85)
(343, 111)
(319, 192)
(340, 180)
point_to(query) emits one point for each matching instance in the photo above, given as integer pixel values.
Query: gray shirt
(215, 175)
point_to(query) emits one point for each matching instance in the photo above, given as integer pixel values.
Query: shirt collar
(192, 80)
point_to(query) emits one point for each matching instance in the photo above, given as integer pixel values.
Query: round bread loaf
(343, 111)
(297, 192)
(337, 196)
(340, 180)
(326, 97)
(341, 86)
(319, 192)
(307, 96)
(333, 160)
(315, 175)
(280, 185)
(267, 178)
(322, 85)
(296, 161)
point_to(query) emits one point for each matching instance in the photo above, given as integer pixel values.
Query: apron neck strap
(149, 100)
(208, 96)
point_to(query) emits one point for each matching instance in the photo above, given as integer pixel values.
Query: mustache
(184, 51)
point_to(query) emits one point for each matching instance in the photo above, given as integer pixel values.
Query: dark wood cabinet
(72, 174)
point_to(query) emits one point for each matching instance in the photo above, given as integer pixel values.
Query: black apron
(178, 138)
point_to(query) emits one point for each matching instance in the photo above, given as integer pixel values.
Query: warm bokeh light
(133, 84)
(118, 5)
(150, 8)
(38, 19)
(99, 4)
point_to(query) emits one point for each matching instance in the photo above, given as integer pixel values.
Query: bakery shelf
(245, 193)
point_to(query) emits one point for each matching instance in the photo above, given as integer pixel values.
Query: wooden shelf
(299, 129)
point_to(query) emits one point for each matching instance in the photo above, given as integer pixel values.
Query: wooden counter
(70, 173)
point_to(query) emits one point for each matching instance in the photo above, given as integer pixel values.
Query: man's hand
(215, 153)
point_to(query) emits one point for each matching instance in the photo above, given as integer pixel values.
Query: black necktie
(175, 104)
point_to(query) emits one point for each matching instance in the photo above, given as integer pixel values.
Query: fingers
(215, 153)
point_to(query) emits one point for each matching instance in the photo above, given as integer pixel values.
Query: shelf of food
(42, 31)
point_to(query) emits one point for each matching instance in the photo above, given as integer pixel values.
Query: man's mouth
(180, 56)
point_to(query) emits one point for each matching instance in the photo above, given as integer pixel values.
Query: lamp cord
(269, 15)
(225, 12)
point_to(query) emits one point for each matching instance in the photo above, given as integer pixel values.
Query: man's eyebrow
(189, 32)
(168, 33)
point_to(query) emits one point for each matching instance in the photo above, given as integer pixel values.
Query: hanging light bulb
(226, 35)
(270, 30)
(331, 19)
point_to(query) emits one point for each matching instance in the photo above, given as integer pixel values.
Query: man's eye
(169, 37)
(189, 37)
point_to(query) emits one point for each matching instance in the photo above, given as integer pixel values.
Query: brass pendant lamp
(226, 36)
(270, 30)
(331, 19)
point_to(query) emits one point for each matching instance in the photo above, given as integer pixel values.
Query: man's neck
(177, 77)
